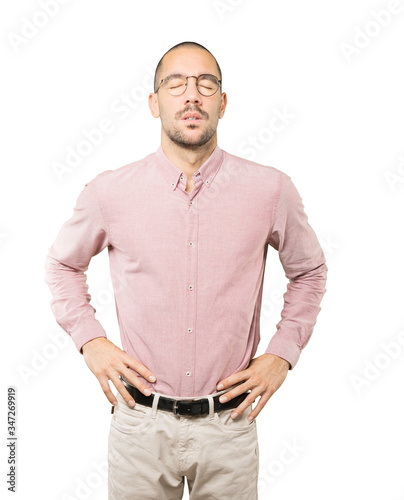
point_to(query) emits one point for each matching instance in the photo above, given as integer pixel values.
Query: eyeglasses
(177, 84)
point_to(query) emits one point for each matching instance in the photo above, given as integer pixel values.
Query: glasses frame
(186, 84)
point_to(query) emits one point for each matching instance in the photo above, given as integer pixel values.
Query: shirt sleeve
(79, 239)
(304, 264)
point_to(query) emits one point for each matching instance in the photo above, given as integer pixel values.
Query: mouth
(192, 118)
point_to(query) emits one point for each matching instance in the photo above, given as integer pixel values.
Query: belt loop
(211, 407)
(154, 405)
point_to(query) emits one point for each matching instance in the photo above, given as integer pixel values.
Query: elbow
(314, 278)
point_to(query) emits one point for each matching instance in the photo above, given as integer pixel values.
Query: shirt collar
(205, 173)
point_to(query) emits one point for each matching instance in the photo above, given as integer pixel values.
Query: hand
(107, 362)
(264, 375)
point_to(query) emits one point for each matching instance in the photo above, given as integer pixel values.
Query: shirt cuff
(86, 331)
(284, 348)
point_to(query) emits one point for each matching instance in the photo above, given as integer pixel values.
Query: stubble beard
(182, 140)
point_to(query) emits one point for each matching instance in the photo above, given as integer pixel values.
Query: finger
(233, 379)
(260, 405)
(249, 400)
(135, 381)
(140, 368)
(107, 390)
(234, 392)
(123, 391)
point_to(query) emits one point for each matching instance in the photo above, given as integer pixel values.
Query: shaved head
(189, 45)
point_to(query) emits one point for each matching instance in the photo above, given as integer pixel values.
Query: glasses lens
(208, 85)
(175, 84)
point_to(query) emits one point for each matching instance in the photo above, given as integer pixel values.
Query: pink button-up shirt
(187, 268)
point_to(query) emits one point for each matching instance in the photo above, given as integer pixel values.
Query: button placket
(191, 289)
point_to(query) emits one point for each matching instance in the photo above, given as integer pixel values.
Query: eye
(174, 82)
(207, 82)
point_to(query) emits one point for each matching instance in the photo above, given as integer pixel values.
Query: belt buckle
(189, 412)
(175, 407)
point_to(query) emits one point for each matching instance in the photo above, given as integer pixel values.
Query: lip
(192, 115)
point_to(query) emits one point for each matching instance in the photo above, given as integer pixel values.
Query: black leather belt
(183, 406)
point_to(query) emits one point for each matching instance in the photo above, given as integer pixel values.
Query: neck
(188, 160)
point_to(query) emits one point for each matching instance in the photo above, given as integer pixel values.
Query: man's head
(185, 45)
(188, 59)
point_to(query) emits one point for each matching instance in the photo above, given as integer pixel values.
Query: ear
(154, 105)
(223, 104)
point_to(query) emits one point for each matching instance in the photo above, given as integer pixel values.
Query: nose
(191, 93)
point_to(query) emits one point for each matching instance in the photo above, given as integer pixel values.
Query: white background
(341, 407)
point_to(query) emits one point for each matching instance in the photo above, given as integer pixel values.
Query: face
(188, 134)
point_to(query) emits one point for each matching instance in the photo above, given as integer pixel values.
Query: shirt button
(207, 182)
(181, 177)
(189, 330)
(188, 374)
(191, 244)
(191, 287)
(191, 202)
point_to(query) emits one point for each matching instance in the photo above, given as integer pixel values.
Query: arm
(80, 238)
(304, 263)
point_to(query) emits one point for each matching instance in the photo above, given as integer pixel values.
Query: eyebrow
(176, 75)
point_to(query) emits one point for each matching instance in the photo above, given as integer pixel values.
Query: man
(187, 230)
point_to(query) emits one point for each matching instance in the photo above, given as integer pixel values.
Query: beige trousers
(150, 452)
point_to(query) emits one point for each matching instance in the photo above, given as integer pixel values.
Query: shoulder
(268, 175)
(116, 179)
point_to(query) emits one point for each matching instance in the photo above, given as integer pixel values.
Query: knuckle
(127, 397)
(249, 401)
(134, 381)
(115, 365)
(130, 361)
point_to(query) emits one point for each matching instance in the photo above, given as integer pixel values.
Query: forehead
(189, 61)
